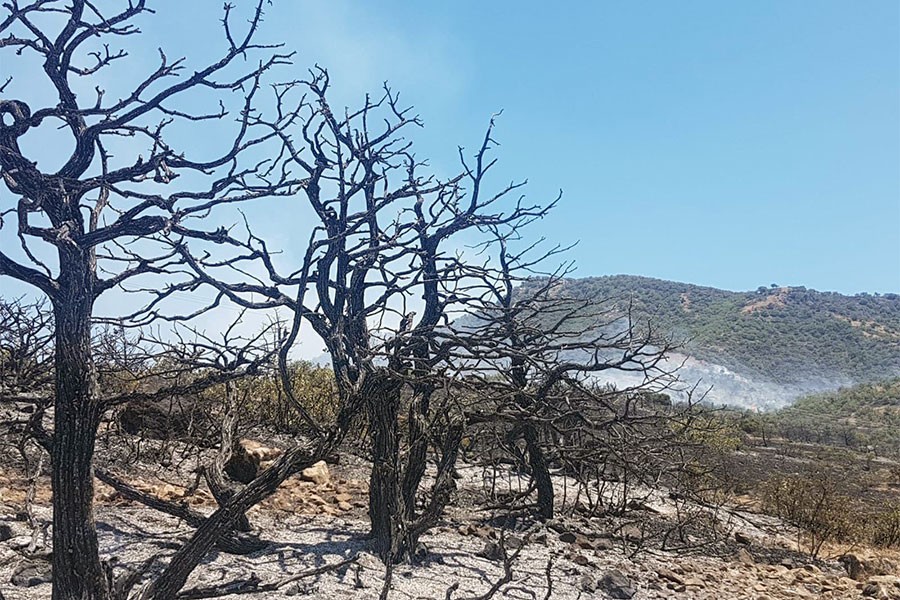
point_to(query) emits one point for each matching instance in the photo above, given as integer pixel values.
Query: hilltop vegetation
(787, 335)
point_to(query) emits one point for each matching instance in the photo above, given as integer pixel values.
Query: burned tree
(96, 222)
(379, 277)
(535, 352)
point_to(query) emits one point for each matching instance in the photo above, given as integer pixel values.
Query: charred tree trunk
(221, 490)
(540, 471)
(418, 449)
(386, 510)
(77, 571)
(396, 524)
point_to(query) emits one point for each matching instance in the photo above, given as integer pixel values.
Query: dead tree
(381, 246)
(88, 213)
(26, 365)
(26, 378)
(534, 350)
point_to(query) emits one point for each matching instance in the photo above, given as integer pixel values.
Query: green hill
(866, 415)
(789, 336)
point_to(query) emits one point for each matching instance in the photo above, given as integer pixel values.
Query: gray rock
(568, 537)
(19, 542)
(514, 542)
(6, 532)
(30, 575)
(632, 534)
(616, 585)
(872, 590)
(492, 551)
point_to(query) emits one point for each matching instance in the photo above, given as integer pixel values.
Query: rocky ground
(320, 521)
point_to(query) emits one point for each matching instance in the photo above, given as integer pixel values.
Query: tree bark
(77, 571)
(386, 510)
(215, 473)
(418, 449)
(540, 472)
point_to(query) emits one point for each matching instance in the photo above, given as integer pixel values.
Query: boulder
(248, 458)
(316, 473)
(861, 569)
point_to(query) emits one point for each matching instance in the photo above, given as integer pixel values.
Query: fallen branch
(508, 560)
(233, 543)
(253, 584)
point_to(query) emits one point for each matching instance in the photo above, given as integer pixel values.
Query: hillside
(764, 347)
(866, 415)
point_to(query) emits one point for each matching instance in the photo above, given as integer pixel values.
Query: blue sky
(719, 143)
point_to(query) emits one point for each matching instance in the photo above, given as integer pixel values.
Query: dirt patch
(777, 299)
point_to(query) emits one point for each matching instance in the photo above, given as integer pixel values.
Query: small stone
(6, 532)
(342, 497)
(617, 586)
(491, 551)
(588, 584)
(345, 506)
(740, 538)
(670, 575)
(514, 542)
(581, 560)
(568, 537)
